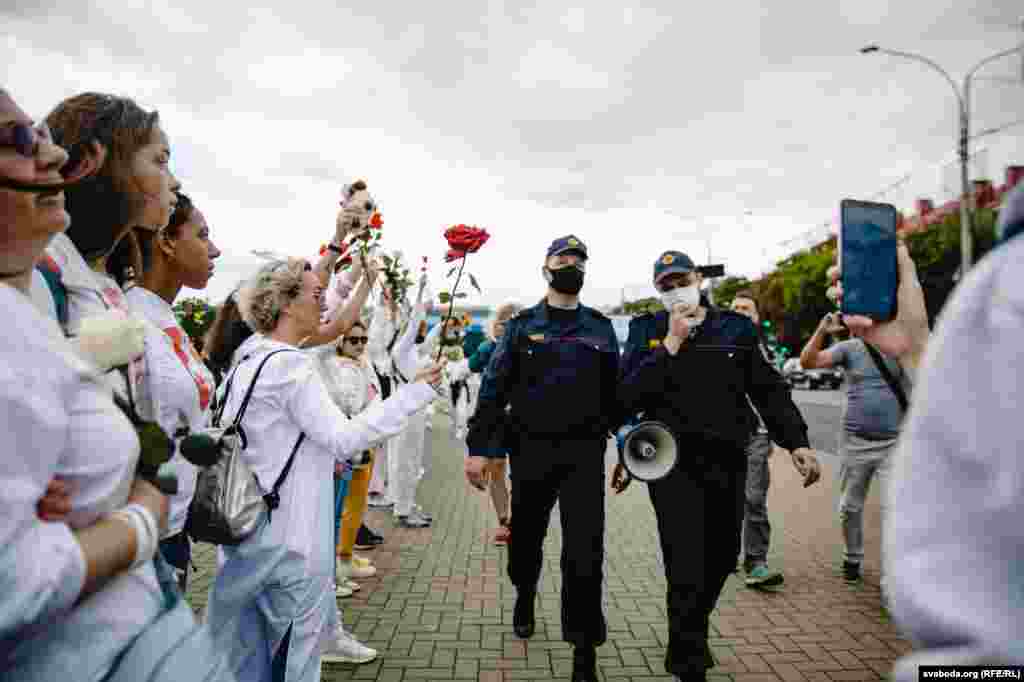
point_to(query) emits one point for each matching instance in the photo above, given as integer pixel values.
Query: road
(441, 606)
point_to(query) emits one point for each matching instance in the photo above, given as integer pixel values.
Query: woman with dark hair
(121, 154)
(224, 336)
(177, 387)
(82, 596)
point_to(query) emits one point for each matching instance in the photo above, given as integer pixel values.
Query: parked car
(793, 373)
(819, 378)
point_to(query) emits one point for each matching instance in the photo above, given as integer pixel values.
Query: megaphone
(648, 450)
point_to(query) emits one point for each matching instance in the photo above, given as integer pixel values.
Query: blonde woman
(273, 605)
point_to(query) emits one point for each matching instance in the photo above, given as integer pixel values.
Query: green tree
(726, 290)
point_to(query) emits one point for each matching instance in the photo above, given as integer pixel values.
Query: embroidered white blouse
(176, 390)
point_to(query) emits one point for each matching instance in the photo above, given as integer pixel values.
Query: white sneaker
(342, 591)
(362, 572)
(347, 649)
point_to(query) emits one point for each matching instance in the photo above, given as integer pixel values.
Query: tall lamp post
(963, 98)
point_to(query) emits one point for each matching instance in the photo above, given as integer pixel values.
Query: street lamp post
(963, 98)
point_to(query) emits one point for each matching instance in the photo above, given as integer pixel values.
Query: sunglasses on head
(24, 138)
(357, 340)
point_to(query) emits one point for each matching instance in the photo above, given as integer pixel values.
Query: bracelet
(146, 532)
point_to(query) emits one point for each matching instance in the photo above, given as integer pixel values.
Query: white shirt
(58, 420)
(91, 293)
(177, 389)
(953, 542)
(290, 398)
(351, 383)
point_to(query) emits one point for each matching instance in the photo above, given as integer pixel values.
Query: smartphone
(867, 257)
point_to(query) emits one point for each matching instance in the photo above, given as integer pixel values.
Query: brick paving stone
(440, 607)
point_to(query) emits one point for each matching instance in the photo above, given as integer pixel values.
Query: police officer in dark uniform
(693, 369)
(557, 366)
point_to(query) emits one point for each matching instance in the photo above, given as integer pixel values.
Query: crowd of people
(98, 241)
(101, 385)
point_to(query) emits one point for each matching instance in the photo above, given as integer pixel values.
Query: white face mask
(687, 296)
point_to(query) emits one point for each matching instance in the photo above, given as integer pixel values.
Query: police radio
(648, 450)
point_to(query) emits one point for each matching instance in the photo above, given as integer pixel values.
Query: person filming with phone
(692, 367)
(877, 383)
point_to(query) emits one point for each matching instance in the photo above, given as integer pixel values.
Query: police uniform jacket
(559, 376)
(703, 390)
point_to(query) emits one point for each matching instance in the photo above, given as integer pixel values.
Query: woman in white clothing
(353, 386)
(80, 597)
(123, 154)
(273, 603)
(177, 388)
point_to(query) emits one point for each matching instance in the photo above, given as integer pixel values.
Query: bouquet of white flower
(111, 339)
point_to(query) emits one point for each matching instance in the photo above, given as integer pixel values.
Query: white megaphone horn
(649, 451)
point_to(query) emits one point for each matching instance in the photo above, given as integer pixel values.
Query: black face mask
(420, 338)
(568, 280)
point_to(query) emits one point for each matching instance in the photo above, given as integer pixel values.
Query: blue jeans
(756, 529)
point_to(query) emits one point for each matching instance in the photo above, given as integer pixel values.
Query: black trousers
(570, 472)
(699, 507)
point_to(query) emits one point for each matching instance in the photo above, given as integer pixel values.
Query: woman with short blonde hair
(277, 586)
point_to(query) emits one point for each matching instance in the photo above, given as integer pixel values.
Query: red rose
(465, 238)
(377, 221)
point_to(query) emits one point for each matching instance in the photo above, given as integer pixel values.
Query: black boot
(523, 621)
(584, 664)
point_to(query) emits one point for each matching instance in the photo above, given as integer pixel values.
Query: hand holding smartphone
(867, 258)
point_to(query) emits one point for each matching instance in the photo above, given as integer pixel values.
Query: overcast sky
(635, 128)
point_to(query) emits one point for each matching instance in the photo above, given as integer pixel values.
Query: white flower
(111, 339)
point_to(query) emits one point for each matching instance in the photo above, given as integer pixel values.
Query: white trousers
(405, 463)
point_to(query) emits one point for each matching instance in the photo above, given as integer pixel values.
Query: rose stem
(451, 308)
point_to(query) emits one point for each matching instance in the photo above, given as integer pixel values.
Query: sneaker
(366, 540)
(503, 535)
(380, 502)
(342, 591)
(851, 572)
(346, 570)
(418, 510)
(362, 562)
(352, 585)
(760, 576)
(411, 521)
(362, 572)
(347, 649)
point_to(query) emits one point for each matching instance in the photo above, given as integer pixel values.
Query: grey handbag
(229, 502)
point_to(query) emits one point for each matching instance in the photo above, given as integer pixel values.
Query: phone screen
(868, 259)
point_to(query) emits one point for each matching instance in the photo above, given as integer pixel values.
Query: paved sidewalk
(441, 606)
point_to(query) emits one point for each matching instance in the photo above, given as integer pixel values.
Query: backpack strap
(883, 369)
(273, 498)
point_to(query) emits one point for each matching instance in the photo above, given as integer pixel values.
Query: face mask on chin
(567, 280)
(688, 296)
